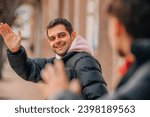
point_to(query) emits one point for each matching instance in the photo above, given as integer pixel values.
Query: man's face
(59, 39)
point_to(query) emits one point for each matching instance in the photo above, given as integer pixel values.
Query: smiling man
(72, 49)
(59, 39)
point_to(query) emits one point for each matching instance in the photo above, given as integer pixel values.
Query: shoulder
(81, 60)
(143, 71)
(141, 75)
(138, 87)
(75, 57)
(78, 55)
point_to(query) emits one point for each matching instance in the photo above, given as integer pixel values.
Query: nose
(57, 40)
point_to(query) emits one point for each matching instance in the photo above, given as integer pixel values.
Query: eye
(51, 38)
(61, 35)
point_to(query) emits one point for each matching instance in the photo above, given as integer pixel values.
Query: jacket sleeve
(90, 76)
(27, 68)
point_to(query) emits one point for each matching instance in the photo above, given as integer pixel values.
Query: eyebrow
(56, 34)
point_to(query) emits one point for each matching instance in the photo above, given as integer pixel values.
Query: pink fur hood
(79, 44)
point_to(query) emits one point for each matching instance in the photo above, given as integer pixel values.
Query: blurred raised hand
(55, 80)
(12, 41)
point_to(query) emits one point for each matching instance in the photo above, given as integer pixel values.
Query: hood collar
(79, 44)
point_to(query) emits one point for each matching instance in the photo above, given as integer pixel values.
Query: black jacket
(136, 83)
(77, 65)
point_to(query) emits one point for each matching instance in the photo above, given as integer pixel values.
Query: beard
(61, 52)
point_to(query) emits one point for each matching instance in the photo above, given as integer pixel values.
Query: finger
(51, 71)
(61, 74)
(48, 73)
(9, 30)
(1, 25)
(60, 70)
(6, 29)
(3, 32)
(75, 86)
(44, 76)
(19, 34)
(1, 29)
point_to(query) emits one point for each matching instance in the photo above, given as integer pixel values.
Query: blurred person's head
(128, 20)
(60, 35)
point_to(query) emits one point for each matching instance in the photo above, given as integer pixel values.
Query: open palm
(12, 41)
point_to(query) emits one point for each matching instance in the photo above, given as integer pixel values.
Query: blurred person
(75, 52)
(128, 32)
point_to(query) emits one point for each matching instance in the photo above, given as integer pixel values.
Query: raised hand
(12, 41)
(55, 80)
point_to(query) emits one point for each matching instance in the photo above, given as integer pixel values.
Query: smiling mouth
(60, 46)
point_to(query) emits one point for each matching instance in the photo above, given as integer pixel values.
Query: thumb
(75, 86)
(19, 33)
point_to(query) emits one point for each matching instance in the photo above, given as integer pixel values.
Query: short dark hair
(62, 21)
(133, 14)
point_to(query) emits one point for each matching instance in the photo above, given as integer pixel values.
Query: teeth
(60, 46)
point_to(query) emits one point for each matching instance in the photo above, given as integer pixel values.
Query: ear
(73, 34)
(119, 28)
